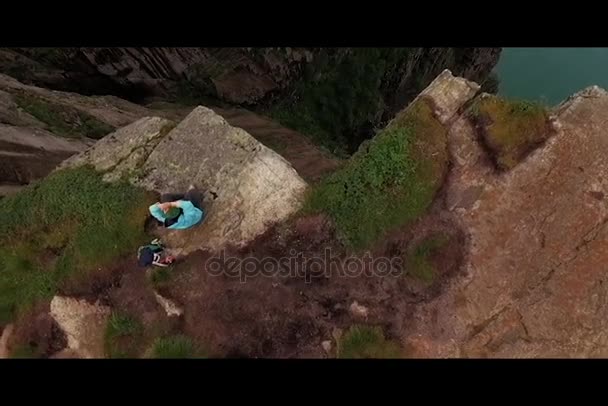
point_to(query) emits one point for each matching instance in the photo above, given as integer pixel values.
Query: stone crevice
(478, 328)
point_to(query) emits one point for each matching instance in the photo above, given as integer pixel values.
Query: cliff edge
(497, 210)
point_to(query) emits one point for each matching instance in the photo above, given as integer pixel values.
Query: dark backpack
(146, 254)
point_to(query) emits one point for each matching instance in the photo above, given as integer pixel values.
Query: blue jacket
(190, 216)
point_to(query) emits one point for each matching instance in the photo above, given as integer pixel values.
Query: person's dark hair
(171, 221)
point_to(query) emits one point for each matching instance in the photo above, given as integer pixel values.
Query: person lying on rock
(178, 212)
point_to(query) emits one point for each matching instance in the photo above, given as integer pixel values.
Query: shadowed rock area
(236, 75)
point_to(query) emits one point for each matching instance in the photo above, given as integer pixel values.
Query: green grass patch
(61, 229)
(63, 120)
(123, 336)
(178, 346)
(161, 277)
(419, 263)
(367, 342)
(510, 129)
(390, 181)
(25, 351)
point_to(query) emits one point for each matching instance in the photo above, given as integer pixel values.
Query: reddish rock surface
(535, 270)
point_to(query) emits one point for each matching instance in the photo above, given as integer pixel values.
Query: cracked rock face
(535, 276)
(125, 150)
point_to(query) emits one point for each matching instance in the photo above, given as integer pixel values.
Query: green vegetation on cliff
(334, 103)
(419, 263)
(390, 181)
(123, 335)
(510, 129)
(25, 351)
(366, 342)
(61, 119)
(59, 231)
(178, 346)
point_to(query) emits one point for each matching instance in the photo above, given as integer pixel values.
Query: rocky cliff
(338, 94)
(497, 209)
(235, 75)
(39, 128)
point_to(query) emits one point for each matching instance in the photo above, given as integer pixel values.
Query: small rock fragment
(336, 334)
(170, 307)
(326, 346)
(358, 311)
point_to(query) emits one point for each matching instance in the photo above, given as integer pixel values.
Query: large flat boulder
(246, 185)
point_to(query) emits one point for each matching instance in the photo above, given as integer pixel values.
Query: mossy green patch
(63, 228)
(63, 120)
(123, 336)
(178, 346)
(510, 129)
(389, 181)
(419, 264)
(25, 351)
(367, 342)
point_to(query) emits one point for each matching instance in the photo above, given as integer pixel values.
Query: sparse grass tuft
(160, 277)
(25, 351)
(389, 181)
(510, 129)
(123, 336)
(63, 228)
(178, 346)
(63, 120)
(367, 342)
(419, 263)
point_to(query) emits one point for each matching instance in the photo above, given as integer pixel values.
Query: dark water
(551, 75)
